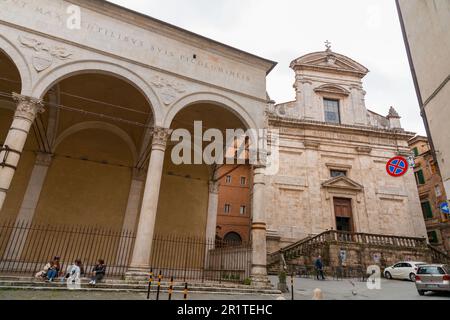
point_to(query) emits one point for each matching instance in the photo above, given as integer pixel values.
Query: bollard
(292, 286)
(159, 285)
(185, 291)
(171, 288)
(150, 284)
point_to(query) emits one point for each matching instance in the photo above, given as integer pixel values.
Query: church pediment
(329, 60)
(343, 183)
(333, 89)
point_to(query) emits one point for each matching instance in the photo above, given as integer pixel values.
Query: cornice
(168, 30)
(297, 123)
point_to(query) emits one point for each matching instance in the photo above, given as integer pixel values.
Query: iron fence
(25, 248)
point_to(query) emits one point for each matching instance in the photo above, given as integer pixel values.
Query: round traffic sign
(397, 167)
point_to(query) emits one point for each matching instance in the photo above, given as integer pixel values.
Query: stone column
(26, 111)
(213, 204)
(131, 215)
(143, 245)
(29, 204)
(259, 229)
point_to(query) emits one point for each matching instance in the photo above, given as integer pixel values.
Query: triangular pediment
(329, 60)
(344, 183)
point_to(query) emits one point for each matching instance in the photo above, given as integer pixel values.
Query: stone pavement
(332, 290)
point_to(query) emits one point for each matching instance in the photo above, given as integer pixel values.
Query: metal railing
(25, 248)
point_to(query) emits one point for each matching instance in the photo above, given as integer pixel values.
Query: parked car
(403, 270)
(433, 277)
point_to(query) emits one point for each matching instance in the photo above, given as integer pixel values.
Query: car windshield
(430, 270)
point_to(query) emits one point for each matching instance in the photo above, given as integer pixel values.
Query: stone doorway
(344, 214)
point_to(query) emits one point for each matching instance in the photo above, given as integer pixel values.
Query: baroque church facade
(332, 159)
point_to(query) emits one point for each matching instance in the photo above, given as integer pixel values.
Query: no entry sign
(397, 167)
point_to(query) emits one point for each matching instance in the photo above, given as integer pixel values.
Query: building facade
(333, 154)
(90, 94)
(426, 27)
(234, 209)
(432, 193)
(87, 114)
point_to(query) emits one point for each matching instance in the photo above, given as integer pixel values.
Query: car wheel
(388, 275)
(421, 292)
(412, 277)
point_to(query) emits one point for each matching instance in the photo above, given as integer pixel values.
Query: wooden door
(344, 214)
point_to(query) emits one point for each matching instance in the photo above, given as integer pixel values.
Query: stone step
(126, 287)
(128, 282)
(165, 292)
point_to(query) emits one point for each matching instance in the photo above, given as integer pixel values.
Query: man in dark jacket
(318, 264)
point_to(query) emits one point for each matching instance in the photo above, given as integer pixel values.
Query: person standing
(318, 265)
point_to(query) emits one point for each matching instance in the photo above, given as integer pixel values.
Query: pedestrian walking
(318, 265)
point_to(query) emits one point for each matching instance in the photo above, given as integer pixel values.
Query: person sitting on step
(99, 272)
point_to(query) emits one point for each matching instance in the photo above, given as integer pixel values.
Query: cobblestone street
(332, 290)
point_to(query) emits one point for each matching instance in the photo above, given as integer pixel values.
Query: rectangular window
(338, 173)
(243, 181)
(228, 179)
(416, 151)
(427, 211)
(227, 208)
(433, 237)
(332, 114)
(420, 177)
(243, 210)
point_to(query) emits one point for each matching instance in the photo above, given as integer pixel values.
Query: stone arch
(97, 66)
(101, 126)
(213, 98)
(19, 61)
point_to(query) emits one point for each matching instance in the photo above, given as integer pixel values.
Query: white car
(406, 270)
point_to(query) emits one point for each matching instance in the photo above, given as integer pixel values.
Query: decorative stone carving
(214, 187)
(43, 159)
(28, 107)
(311, 145)
(44, 54)
(393, 114)
(160, 136)
(168, 90)
(364, 149)
(139, 174)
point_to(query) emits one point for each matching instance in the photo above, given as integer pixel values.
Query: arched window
(232, 238)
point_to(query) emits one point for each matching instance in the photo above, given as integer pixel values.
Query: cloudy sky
(367, 31)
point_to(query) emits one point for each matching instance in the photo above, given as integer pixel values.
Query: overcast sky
(367, 31)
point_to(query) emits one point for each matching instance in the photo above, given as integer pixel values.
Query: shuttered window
(420, 177)
(427, 212)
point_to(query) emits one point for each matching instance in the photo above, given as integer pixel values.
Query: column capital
(214, 187)
(27, 107)
(139, 174)
(43, 159)
(160, 137)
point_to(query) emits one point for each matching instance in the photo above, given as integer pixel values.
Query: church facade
(333, 153)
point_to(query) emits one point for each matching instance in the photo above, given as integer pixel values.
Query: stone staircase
(360, 248)
(111, 285)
